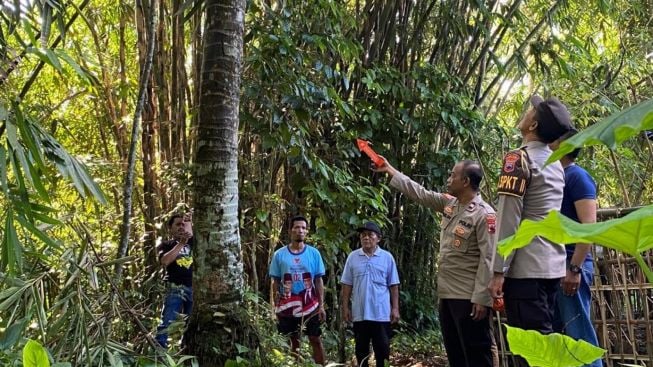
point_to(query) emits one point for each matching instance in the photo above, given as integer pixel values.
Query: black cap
(370, 226)
(553, 118)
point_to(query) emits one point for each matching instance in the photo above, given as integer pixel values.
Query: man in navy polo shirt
(572, 314)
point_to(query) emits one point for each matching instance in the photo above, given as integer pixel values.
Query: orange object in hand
(364, 147)
(498, 305)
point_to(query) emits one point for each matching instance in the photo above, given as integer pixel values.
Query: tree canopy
(427, 82)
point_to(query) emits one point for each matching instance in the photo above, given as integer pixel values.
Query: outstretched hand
(385, 168)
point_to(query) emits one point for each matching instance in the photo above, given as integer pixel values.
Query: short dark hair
(573, 154)
(472, 170)
(172, 218)
(297, 218)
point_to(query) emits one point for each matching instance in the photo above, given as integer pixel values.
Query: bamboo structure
(622, 303)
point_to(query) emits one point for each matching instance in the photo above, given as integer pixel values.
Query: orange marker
(364, 147)
(498, 305)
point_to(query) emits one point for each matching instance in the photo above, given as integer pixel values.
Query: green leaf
(28, 137)
(262, 215)
(611, 131)
(54, 60)
(632, 234)
(12, 334)
(3, 170)
(553, 350)
(34, 355)
(12, 251)
(37, 232)
(83, 75)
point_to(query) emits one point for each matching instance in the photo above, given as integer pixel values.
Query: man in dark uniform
(467, 245)
(529, 278)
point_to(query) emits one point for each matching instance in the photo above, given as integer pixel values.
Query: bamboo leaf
(12, 251)
(83, 75)
(27, 135)
(3, 170)
(632, 234)
(12, 299)
(37, 232)
(553, 350)
(610, 131)
(88, 181)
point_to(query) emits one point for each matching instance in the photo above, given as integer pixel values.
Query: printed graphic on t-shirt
(184, 259)
(297, 304)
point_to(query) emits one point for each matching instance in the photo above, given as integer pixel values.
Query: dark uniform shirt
(467, 241)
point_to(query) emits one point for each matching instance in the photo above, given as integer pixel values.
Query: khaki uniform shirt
(467, 242)
(528, 191)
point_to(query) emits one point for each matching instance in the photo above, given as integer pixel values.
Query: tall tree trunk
(217, 322)
(125, 229)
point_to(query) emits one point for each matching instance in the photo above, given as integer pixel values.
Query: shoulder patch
(515, 174)
(491, 220)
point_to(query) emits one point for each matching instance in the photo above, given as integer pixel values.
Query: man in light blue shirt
(371, 277)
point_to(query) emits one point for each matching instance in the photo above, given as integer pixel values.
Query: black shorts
(292, 326)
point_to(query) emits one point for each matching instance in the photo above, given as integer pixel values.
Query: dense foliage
(428, 82)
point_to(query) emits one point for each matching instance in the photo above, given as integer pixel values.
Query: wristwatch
(574, 268)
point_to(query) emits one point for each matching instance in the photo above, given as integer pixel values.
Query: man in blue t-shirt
(371, 275)
(572, 314)
(296, 271)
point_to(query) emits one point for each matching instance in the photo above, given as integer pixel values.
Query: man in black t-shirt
(175, 255)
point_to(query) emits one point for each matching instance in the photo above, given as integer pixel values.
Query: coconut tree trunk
(217, 323)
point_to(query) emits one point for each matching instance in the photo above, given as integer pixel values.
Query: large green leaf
(553, 350)
(34, 355)
(11, 335)
(632, 234)
(611, 131)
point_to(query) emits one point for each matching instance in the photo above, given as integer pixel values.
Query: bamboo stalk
(621, 179)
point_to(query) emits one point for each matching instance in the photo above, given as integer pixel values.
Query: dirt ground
(398, 360)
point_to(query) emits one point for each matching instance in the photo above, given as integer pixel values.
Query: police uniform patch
(448, 209)
(515, 174)
(491, 220)
(456, 243)
(459, 230)
(509, 162)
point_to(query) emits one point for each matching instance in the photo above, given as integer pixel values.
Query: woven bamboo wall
(622, 304)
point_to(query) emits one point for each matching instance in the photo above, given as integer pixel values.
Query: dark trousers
(379, 333)
(530, 305)
(468, 343)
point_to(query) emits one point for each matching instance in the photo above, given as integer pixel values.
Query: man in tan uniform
(528, 279)
(467, 244)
